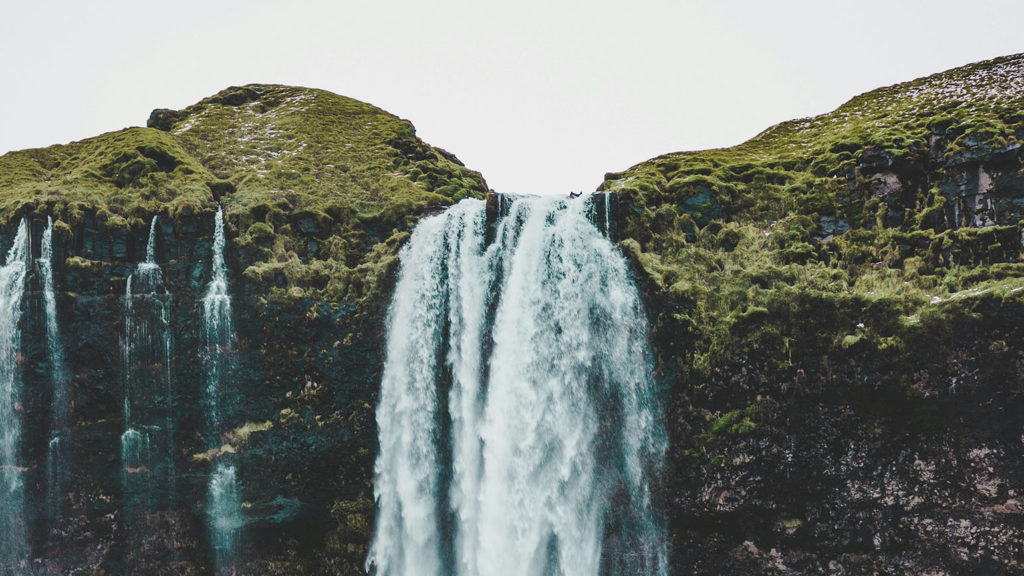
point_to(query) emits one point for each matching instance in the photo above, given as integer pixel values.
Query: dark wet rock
(162, 119)
(873, 160)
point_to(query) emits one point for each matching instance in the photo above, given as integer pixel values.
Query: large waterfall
(517, 419)
(224, 506)
(13, 544)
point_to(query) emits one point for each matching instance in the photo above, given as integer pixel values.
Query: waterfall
(13, 544)
(57, 474)
(151, 243)
(608, 214)
(518, 425)
(148, 440)
(225, 515)
(217, 327)
(224, 506)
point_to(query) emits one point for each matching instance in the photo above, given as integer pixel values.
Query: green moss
(131, 172)
(785, 244)
(737, 422)
(288, 417)
(79, 263)
(260, 231)
(791, 525)
(114, 222)
(240, 436)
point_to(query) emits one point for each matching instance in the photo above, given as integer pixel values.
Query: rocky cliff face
(837, 306)
(319, 192)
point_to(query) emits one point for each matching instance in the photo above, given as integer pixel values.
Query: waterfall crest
(13, 545)
(518, 425)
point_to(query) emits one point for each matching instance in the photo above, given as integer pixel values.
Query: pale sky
(542, 97)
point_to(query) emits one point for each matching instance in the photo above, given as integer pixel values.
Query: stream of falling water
(13, 544)
(608, 214)
(57, 473)
(147, 455)
(518, 426)
(224, 506)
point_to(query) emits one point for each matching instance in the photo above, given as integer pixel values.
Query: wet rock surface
(301, 419)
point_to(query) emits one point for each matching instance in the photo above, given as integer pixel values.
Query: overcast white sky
(539, 96)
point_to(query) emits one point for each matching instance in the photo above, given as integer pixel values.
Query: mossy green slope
(318, 188)
(826, 299)
(904, 198)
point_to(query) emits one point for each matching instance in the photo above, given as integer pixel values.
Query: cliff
(319, 192)
(835, 311)
(837, 308)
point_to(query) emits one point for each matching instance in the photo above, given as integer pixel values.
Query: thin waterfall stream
(57, 472)
(518, 422)
(13, 540)
(147, 453)
(224, 506)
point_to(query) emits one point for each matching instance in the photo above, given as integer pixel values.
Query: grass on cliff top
(317, 149)
(802, 165)
(744, 243)
(130, 174)
(318, 189)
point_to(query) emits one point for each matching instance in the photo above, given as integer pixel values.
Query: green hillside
(905, 199)
(318, 188)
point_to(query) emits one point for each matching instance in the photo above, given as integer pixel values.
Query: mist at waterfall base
(518, 426)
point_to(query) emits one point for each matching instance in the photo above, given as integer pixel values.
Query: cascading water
(608, 214)
(225, 515)
(224, 506)
(518, 425)
(151, 243)
(217, 326)
(148, 439)
(13, 544)
(57, 473)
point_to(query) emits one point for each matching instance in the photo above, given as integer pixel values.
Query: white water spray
(509, 465)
